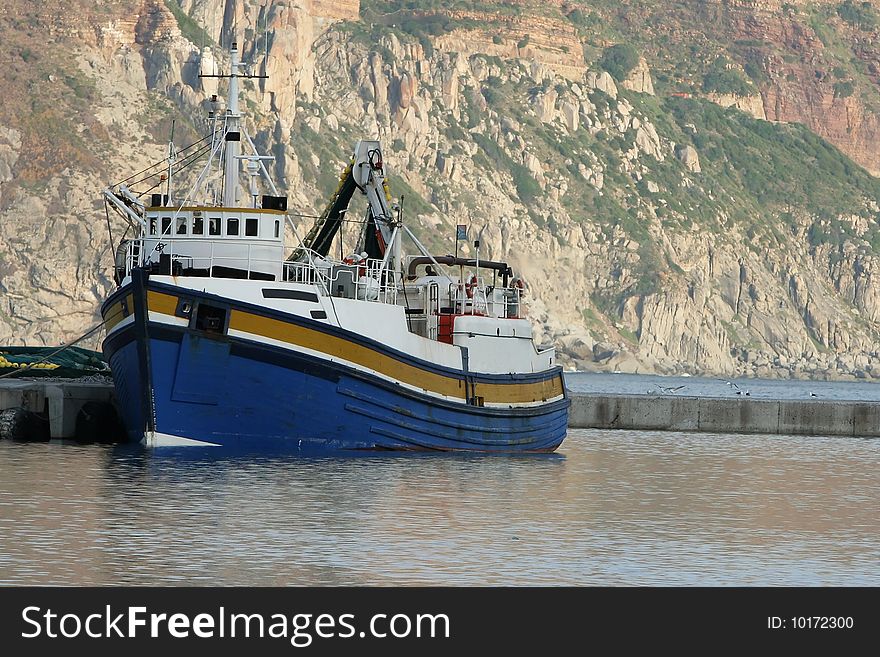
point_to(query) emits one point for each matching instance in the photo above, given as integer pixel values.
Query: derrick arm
(366, 173)
(321, 234)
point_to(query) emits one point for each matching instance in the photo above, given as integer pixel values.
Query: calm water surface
(613, 507)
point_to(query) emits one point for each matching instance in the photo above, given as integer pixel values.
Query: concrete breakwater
(718, 415)
(60, 404)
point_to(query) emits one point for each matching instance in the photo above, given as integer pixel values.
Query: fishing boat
(219, 335)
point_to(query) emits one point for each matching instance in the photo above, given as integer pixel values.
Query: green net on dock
(71, 363)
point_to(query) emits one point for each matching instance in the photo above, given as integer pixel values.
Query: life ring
(356, 259)
(470, 286)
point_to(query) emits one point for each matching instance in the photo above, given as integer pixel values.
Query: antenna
(213, 119)
(170, 161)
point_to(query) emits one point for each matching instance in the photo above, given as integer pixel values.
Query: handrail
(372, 279)
(135, 254)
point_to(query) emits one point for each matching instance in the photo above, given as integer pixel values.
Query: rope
(181, 165)
(160, 164)
(57, 351)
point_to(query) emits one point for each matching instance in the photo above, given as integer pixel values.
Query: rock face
(639, 79)
(632, 238)
(339, 9)
(553, 43)
(802, 76)
(843, 121)
(689, 158)
(602, 81)
(10, 146)
(752, 105)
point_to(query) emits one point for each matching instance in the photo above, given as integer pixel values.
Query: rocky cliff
(656, 230)
(813, 62)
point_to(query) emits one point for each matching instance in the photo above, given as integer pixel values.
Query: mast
(396, 237)
(171, 159)
(233, 134)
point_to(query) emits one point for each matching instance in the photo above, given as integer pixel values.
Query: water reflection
(613, 508)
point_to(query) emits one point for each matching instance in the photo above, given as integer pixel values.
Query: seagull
(813, 394)
(665, 389)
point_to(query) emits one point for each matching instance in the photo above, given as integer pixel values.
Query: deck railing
(368, 280)
(203, 254)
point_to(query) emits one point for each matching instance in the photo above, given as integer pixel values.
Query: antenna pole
(397, 261)
(170, 162)
(233, 134)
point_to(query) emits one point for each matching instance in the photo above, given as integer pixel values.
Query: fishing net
(72, 363)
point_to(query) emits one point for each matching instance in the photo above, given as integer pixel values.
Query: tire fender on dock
(98, 422)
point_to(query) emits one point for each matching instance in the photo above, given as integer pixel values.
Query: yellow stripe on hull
(333, 346)
(114, 316)
(363, 356)
(519, 393)
(117, 312)
(161, 303)
(340, 348)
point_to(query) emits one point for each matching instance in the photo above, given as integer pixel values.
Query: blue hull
(181, 384)
(227, 394)
(251, 397)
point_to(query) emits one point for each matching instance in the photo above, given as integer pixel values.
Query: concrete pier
(61, 400)
(717, 415)
(58, 400)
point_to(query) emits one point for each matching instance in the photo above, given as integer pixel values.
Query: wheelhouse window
(153, 223)
(232, 226)
(198, 226)
(181, 225)
(214, 226)
(277, 227)
(250, 227)
(166, 225)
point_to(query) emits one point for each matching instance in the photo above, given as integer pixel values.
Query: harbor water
(692, 386)
(610, 508)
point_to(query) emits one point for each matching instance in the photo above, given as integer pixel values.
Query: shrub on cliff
(619, 60)
(583, 19)
(723, 79)
(860, 15)
(843, 89)
(189, 27)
